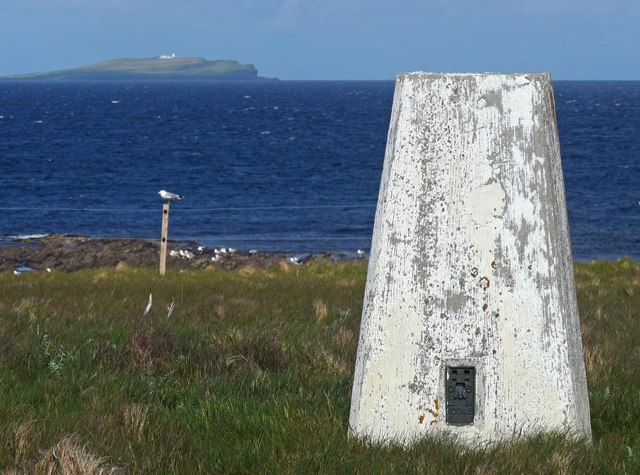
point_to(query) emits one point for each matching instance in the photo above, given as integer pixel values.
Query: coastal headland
(165, 67)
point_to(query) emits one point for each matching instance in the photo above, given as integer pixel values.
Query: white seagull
(168, 196)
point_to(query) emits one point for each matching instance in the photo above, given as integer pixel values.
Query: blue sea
(274, 165)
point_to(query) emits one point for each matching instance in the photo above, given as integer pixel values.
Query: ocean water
(289, 166)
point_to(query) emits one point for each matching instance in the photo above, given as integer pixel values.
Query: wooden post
(163, 240)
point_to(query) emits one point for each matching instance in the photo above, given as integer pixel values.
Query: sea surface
(277, 166)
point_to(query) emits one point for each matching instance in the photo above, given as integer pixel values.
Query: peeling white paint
(470, 265)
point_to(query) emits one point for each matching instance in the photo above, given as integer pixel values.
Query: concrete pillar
(470, 324)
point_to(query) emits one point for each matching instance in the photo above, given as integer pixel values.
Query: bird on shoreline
(168, 196)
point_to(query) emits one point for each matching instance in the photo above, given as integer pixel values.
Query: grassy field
(252, 373)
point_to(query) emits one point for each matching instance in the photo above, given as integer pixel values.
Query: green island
(250, 370)
(166, 67)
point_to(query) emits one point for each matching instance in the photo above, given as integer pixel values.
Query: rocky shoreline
(73, 253)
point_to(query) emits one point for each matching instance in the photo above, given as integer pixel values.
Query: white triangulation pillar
(470, 323)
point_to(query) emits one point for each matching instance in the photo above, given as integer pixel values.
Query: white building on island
(167, 56)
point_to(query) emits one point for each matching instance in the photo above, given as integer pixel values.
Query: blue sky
(332, 39)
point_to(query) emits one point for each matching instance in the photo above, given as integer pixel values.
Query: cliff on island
(166, 67)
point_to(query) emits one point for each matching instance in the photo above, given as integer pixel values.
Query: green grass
(252, 373)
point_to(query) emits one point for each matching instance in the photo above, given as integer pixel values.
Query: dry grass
(594, 359)
(247, 270)
(320, 310)
(344, 336)
(122, 266)
(134, 419)
(326, 362)
(25, 434)
(68, 457)
(285, 267)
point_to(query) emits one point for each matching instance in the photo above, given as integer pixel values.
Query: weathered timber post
(165, 235)
(470, 324)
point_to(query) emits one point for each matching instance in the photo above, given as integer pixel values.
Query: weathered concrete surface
(471, 265)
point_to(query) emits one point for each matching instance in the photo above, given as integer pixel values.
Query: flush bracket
(460, 395)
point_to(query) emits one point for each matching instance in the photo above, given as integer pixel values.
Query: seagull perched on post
(168, 196)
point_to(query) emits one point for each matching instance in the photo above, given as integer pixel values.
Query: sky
(332, 39)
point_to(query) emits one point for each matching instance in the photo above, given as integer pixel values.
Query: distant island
(165, 67)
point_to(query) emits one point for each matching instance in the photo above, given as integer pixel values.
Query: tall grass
(252, 372)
